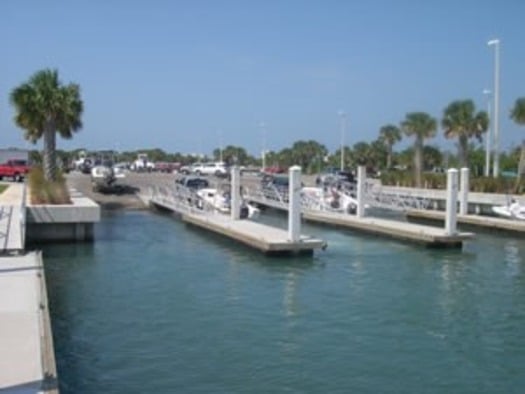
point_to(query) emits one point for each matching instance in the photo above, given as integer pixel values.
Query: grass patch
(3, 188)
(42, 191)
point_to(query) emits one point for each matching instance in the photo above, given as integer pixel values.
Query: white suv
(212, 168)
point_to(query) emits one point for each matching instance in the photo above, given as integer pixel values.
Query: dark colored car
(193, 182)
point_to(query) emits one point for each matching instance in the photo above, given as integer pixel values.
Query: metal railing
(400, 201)
(23, 216)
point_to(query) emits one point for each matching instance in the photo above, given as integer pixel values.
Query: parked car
(187, 169)
(193, 182)
(272, 184)
(211, 168)
(273, 170)
(15, 169)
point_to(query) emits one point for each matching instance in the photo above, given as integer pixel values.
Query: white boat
(514, 210)
(104, 177)
(330, 199)
(219, 200)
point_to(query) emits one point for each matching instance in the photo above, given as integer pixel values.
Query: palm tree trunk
(49, 152)
(389, 157)
(463, 147)
(418, 150)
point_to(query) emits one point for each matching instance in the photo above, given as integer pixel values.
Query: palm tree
(45, 107)
(422, 126)
(518, 115)
(389, 135)
(461, 121)
(307, 154)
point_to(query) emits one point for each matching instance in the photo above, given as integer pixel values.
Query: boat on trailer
(104, 177)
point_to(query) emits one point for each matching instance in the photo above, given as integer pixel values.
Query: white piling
(361, 178)
(452, 196)
(235, 193)
(463, 191)
(294, 204)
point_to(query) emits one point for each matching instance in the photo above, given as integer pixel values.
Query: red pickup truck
(15, 169)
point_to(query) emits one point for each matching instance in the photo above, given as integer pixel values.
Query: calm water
(154, 306)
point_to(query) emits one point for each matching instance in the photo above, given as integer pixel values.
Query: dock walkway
(267, 239)
(12, 219)
(426, 235)
(485, 222)
(27, 363)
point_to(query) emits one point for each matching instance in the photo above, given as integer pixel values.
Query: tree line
(44, 107)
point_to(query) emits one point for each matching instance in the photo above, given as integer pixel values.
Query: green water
(155, 306)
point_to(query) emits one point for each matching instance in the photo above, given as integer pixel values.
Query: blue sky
(186, 76)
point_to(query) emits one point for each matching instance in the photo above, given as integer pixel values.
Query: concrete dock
(426, 235)
(27, 362)
(12, 219)
(487, 223)
(267, 239)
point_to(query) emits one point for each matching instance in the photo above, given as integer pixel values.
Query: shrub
(439, 181)
(45, 192)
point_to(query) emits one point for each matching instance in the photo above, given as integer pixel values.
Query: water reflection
(512, 257)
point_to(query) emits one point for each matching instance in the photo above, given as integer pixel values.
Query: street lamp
(219, 132)
(495, 43)
(342, 116)
(262, 126)
(489, 135)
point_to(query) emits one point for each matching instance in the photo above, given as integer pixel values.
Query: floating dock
(422, 234)
(267, 239)
(426, 235)
(485, 222)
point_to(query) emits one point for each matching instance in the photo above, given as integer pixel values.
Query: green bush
(45, 192)
(439, 181)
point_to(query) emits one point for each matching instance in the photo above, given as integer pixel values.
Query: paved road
(135, 183)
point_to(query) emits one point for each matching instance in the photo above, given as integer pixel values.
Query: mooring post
(361, 178)
(463, 191)
(235, 193)
(452, 196)
(294, 204)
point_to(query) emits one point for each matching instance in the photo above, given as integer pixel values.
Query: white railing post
(294, 204)
(361, 178)
(452, 195)
(235, 193)
(463, 195)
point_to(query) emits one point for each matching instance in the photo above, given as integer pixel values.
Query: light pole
(487, 93)
(342, 116)
(219, 132)
(262, 126)
(495, 43)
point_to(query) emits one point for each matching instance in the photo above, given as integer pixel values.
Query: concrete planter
(62, 223)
